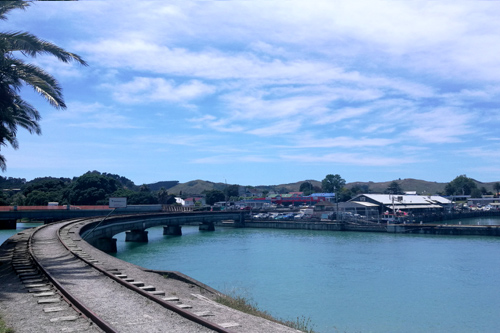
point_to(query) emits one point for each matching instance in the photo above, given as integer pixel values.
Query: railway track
(53, 281)
(85, 294)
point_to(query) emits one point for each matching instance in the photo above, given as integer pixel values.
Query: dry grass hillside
(197, 187)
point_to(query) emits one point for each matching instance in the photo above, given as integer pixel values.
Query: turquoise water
(343, 281)
(5, 234)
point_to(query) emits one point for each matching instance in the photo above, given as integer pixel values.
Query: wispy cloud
(350, 159)
(345, 142)
(92, 115)
(145, 90)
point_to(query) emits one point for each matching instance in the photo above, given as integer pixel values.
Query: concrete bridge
(10, 215)
(99, 233)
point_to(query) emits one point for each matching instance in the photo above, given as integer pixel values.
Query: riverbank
(417, 228)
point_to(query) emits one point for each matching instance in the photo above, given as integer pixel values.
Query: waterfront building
(404, 203)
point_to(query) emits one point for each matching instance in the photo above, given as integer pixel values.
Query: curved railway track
(53, 267)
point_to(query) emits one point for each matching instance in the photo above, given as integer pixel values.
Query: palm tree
(16, 73)
(496, 186)
(162, 196)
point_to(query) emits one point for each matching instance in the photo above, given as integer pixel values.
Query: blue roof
(322, 195)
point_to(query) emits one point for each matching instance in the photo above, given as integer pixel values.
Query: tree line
(91, 188)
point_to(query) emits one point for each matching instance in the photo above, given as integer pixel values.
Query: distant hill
(290, 187)
(165, 184)
(408, 184)
(196, 187)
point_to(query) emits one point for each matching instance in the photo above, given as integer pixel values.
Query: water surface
(343, 281)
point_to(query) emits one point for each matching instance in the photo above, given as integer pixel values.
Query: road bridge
(100, 233)
(10, 215)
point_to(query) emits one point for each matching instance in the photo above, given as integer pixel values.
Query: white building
(190, 202)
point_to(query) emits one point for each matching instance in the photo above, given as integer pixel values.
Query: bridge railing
(172, 208)
(65, 207)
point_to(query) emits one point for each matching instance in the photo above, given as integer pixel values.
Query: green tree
(163, 196)
(476, 193)
(394, 188)
(332, 183)
(232, 191)
(4, 200)
(91, 189)
(136, 198)
(38, 198)
(461, 185)
(344, 195)
(144, 188)
(18, 199)
(142, 198)
(55, 186)
(496, 186)
(214, 196)
(360, 189)
(307, 188)
(485, 191)
(16, 73)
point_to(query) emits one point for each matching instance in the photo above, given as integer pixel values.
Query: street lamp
(336, 203)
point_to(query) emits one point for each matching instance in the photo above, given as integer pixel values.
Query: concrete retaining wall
(326, 226)
(474, 230)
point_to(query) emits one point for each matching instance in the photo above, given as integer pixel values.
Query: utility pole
(336, 203)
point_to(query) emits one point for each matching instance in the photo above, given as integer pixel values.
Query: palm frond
(3, 163)
(7, 137)
(30, 45)
(7, 6)
(41, 81)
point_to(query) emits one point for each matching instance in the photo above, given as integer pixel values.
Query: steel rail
(186, 314)
(72, 301)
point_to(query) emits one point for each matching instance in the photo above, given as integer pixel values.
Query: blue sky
(267, 92)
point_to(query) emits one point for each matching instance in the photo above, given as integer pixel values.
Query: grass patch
(248, 305)
(4, 328)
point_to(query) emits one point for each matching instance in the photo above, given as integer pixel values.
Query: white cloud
(308, 141)
(440, 125)
(278, 128)
(491, 152)
(231, 159)
(350, 159)
(145, 90)
(342, 114)
(90, 115)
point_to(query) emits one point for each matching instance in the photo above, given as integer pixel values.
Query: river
(342, 281)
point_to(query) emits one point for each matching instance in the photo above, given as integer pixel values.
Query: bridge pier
(136, 236)
(105, 244)
(8, 224)
(241, 222)
(172, 230)
(207, 226)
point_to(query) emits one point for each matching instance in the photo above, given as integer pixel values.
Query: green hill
(197, 187)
